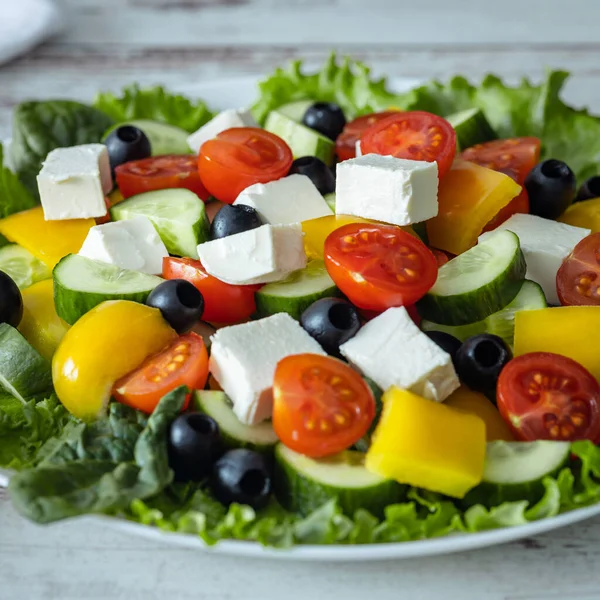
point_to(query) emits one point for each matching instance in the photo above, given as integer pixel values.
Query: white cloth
(24, 24)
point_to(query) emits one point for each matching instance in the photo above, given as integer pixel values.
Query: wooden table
(110, 43)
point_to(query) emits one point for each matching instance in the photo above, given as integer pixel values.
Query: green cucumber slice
(178, 216)
(363, 444)
(81, 283)
(471, 127)
(516, 470)
(295, 110)
(21, 266)
(24, 373)
(330, 199)
(501, 323)
(297, 292)
(234, 433)
(301, 140)
(303, 484)
(477, 283)
(164, 138)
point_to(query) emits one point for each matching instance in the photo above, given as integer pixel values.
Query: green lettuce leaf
(154, 103)
(14, 196)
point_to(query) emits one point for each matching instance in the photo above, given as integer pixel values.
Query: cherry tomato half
(379, 266)
(223, 302)
(345, 145)
(240, 157)
(321, 406)
(415, 135)
(545, 396)
(184, 362)
(578, 279)
(160, 173)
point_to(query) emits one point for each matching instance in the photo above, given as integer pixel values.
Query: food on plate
(342, 315)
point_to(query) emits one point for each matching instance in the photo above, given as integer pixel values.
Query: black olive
(479, 361)
(126, 143)
(590, 189)
(448, 343)
(11, 301)
(242, 476)
(317, 171)
(194, 446)
(180, 303)
(331, 321)
(325, 117)
(232, 219)
(551, 188)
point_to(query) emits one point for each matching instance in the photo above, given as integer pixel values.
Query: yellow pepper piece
(40, 325)
(477, 404)
(47, 240)
(563, 330)
(115, 197)
(427, 444)
(583, 214)
(108, 342)
(469, 197)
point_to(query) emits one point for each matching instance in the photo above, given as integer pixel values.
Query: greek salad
(342, 315)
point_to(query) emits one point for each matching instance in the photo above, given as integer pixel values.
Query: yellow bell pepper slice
(40, 325)
(583, 214)
(563, 330)
(108, 342)
(477, 404)
(47, 240)
(469, 197)
(427, 444)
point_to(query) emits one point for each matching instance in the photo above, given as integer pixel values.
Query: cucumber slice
(501, 323)
(302, 140)
(515, 470)
(477, 283)
(303, 484)
(295, 110)
(81, 283)
(234, 433)
(330, 199)
(296, 293)
(363, 444)
(23, 372)
(164, 139)
(21, 266)
(178, 216)
(471, 127)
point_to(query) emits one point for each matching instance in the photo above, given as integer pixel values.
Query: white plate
(242, 92)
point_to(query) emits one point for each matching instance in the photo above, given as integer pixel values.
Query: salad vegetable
(327, 319)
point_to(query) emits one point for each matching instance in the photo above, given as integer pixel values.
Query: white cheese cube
(292, 199)
(133, 244)
(545, 244)
(74, 181)
(224, 120)
(392, 350)
(243, 360)
(262, 255)
(384, 188)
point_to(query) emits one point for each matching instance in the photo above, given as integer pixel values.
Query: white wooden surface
(109, 43)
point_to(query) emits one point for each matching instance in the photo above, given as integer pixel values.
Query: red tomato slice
(545, 396)
(345, 145)
(578, 279)
(223, 302)
(320, 405)
(184, 362)
(440, 256)
(415, 135)
(160, 173)
(240, 157)
(379, 266)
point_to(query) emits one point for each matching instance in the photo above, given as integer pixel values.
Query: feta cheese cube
(545, 244)
(243, 360)
(133, 244)
(292, 199)
(74, 181)
(393, 351)
(224, 120)
(261, 255)
(384, 188)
